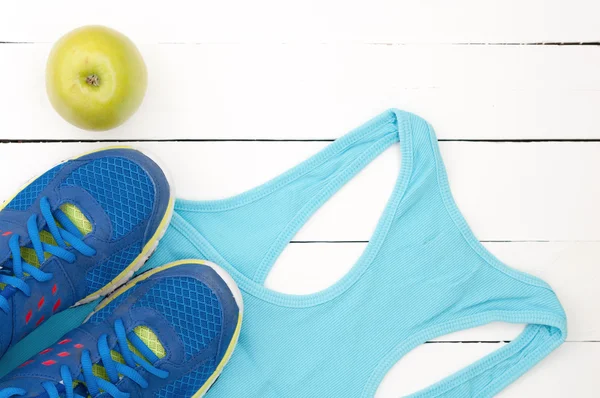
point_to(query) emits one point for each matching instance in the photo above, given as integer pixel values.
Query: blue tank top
(422, 275)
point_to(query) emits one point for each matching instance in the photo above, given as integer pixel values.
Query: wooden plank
(571, 268)
(507, 191)
(281, 92)
(501, 201)
(316, 21)
(570, 371)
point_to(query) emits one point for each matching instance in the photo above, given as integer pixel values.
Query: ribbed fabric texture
(422, 275)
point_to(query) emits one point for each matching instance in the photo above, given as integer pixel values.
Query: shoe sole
(148, 249)
(237, 295)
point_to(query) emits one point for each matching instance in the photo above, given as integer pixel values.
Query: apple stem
(93, 80)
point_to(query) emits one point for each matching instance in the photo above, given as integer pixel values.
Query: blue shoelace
(94, 385)
(13, 271)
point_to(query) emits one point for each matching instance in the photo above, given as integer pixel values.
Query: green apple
(95, 78)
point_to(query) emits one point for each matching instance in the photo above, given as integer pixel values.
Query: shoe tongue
(78, 219)
(151, 340)
(148, 337)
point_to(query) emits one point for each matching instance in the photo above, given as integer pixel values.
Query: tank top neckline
(390, 127)
(402, 133)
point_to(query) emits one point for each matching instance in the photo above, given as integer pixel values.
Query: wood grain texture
(507, 191)
(456, 21)
(320, 91)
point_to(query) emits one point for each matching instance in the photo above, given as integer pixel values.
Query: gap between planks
(76, 141)
(551, 43)
(495, 342)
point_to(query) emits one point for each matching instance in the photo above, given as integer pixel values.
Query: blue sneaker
(167, 334)
(77, 233)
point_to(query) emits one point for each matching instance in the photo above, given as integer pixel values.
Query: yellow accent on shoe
(30, 257)
(28, 254)
(151, 340)
(99, 371)
(77, 218)
(147, 336)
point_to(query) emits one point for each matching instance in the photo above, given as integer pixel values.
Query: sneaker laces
(64, 233)
(115, 371)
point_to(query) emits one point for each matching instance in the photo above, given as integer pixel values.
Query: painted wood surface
(507, 191)
(438, 21)
(320, 91)
(241, 91)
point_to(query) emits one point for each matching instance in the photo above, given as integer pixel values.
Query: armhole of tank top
(545, 332)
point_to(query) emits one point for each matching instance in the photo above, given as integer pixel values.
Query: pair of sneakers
(79, 233)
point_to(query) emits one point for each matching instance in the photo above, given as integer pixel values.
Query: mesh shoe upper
(29, 194)
(123, 189)
(185, 314)
(116, 199)
(190, 307)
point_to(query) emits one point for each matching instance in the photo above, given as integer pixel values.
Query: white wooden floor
(240, 91)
